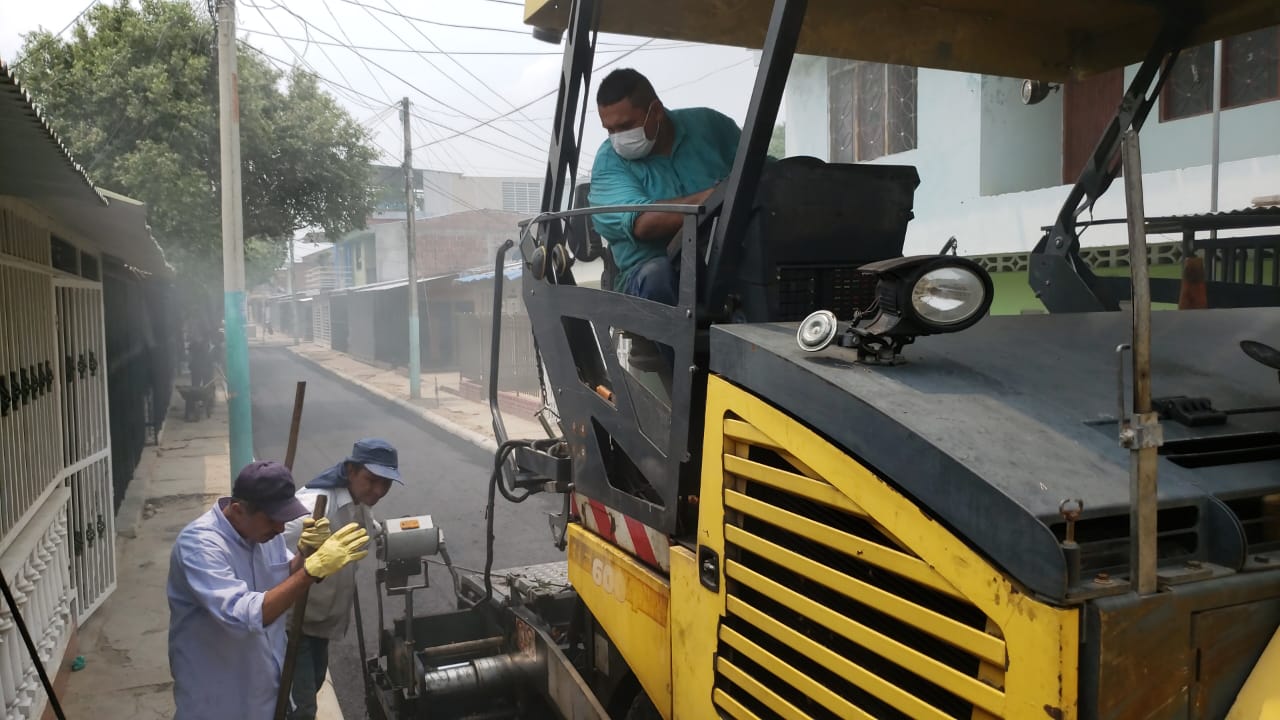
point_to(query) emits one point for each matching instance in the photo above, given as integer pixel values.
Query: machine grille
(828, 616)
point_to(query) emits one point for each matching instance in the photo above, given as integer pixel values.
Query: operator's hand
(341, 549)
(314, 533)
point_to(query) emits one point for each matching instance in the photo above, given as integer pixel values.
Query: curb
(484, 442)
(129, 516)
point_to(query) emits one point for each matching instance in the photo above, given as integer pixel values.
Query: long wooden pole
(300, 607)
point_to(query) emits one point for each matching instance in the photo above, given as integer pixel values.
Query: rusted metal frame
(1146, 438)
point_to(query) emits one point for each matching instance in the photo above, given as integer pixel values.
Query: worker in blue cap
(353, 486)
(232, 577)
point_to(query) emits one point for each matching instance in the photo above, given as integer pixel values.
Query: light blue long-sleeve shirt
(701, 155)
(225, 663)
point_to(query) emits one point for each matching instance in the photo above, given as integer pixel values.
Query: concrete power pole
(237, 346)
(293, 297)
(410, 233)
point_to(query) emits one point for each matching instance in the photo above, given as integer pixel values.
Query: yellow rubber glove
(314, 533)
(341, 549)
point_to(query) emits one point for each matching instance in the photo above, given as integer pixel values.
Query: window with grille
(521, 197)
(872, 110)
(1250, 74)
(1251, 67)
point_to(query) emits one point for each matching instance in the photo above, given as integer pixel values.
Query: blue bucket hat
(378, 456)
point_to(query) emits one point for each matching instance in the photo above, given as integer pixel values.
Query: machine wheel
(642, 709)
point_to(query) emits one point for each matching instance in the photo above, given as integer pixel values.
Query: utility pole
(293, 297)
(411, 237)
(1215, 156)
(237, 346)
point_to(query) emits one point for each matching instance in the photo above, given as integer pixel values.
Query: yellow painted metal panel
(737, 710)
(695, 611)
(631, 603)
(982, 645)
(771, 699)
(1259, 699)
(886, 647)
(878, 555)
(836, 663)
(815, 490)
(793, 677)
(743, 432)
(1042, 642)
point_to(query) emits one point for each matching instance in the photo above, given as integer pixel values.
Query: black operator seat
(813, 224)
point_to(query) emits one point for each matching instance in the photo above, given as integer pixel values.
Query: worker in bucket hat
(352, 486)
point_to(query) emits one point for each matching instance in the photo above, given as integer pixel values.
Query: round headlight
(817, 331)
(948, 295)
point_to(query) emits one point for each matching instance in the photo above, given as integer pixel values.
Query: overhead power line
(479, 53)
(412, 85)
(544, 96)
(527, 33)
(448, 76)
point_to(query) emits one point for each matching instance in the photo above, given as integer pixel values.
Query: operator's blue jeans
(656, 279)
(308, 676)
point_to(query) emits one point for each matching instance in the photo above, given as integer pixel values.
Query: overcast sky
(448, 90)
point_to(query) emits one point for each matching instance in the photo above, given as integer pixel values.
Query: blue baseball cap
(378, 456)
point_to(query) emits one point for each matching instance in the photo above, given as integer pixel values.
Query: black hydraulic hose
(495, 345)
(31, 648)
(495, 482)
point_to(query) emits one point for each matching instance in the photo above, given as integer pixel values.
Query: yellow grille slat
(925, 667)
(796, 679)
(837, 664)
(744, 432)
(755, 689)
(982, 645)
(799, 485)
(852, 545)
(735, 708)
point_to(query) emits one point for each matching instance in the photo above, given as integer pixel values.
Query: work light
(921, 295)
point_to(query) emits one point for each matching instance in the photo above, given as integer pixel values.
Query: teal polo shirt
(702, 155)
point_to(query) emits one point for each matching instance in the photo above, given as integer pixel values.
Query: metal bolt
(688, 313)
(1057, 243)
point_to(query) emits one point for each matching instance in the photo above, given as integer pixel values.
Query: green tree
(133, 92)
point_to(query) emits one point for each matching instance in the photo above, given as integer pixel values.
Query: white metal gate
(321, 323)
(29, 405)
(86, 441)
(35, 541)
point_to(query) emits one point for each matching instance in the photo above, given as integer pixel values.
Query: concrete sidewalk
(442, 403)
(125, 643)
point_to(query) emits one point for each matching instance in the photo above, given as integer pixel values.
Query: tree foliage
(133, 91)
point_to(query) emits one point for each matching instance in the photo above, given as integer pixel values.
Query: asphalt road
(444, 477)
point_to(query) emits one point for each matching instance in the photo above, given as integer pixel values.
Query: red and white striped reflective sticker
(645, 543)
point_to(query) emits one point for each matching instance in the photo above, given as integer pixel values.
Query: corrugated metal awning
(393, 284)
(1015, 38)
(510, 271)
(36, 166)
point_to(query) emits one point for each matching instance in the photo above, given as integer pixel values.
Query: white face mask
(633, 144)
